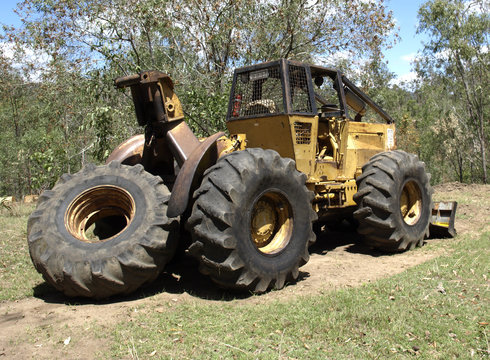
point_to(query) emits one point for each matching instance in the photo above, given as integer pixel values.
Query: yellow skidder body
(330, 152)
(298, 152)
(326, 144)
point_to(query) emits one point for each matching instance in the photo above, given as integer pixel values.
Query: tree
(457, 54)
(73, 113)
(201, 40)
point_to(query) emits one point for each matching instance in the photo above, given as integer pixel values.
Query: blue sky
(7, 15)
(399, 57)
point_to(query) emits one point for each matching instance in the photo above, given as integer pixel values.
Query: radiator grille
(303, 133)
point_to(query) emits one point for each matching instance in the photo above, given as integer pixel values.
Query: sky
(7, 15)
(399, 57)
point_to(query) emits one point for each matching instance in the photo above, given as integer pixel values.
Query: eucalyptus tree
(81, 45)
(201, 40)
(457, 55)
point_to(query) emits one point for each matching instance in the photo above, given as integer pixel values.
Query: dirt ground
(53, 326)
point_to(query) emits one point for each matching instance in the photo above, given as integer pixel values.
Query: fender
(130, 152)
(203, 157)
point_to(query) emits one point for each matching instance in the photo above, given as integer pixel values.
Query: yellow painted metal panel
(273, 132)
(305, 133)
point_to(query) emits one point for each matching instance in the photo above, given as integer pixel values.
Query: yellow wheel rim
(104, 202)
(411, 203)
(271, 223)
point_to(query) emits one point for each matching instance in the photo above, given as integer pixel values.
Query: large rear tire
(394, 201)
(251, 222)
(131, 241)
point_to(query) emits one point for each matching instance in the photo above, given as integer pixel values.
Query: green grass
(472, 204)
(439, 310)
(18, 278)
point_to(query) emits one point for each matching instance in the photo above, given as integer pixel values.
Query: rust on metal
(204, 156)
(182, 141)
(145, 77)
(129, 152)
(95, 204)
(155, 101)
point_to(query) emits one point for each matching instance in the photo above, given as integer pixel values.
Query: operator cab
(301, 111)
(287, 87)
(280, 87)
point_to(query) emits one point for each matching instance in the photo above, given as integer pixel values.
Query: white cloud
(20, 58)
(409, 57)
(478, 9)
(408, 77)
(7, 50)
(333, 59)
(405, 80)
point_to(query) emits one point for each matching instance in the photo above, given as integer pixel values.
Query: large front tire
(251, 222)
(394, 201)
(131, 241)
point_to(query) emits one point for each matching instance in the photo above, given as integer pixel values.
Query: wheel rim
(411, 203)
(109, 207)
(271, 223)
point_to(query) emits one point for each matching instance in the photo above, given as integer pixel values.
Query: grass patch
(17, 274)
(436, 310)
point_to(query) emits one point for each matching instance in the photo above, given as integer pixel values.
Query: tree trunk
(481, 135)
(460, 167)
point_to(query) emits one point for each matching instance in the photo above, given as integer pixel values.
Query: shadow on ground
(182, 275)
(343, 234)
(179, 276)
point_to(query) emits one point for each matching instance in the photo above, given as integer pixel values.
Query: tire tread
(210, 222)
(141, 260)
(377, 214)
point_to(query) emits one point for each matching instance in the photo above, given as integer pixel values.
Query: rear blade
(442, 220)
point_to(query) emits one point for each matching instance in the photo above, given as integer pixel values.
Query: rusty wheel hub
(106, 205)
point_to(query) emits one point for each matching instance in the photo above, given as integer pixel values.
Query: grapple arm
(159, 110)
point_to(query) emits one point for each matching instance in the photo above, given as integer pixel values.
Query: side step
(442, 220)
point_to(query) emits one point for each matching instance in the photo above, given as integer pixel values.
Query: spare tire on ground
(103, 231)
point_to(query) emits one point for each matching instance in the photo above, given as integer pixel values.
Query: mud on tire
(130, 252)
(394, 201)
(251, 222)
